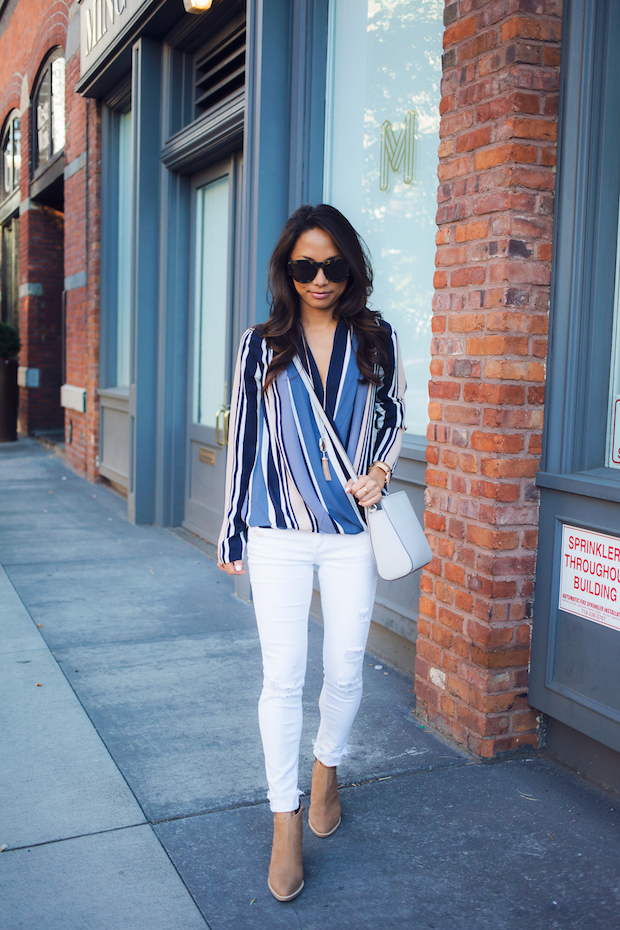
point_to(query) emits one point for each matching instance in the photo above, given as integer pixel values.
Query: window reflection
(382, 135)
(58, 104)
(613, 413)
(123, 292)
(7, 164)
(11, 156)
(43, 120)
(17, 152)
(50, 110)
(211, 298)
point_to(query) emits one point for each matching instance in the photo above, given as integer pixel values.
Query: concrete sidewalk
(131, 776)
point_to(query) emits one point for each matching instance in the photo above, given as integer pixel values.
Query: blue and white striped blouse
(274, 476)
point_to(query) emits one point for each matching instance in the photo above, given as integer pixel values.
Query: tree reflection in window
(49, 110)
(11, 156)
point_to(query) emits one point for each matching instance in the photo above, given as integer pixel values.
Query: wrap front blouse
(274, 476)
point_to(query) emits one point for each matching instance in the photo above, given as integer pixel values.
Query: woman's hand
(368, 488)
(232, 568)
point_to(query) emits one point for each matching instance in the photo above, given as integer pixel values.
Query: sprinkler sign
(590, 576)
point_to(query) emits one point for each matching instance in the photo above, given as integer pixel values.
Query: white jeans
(281, 565)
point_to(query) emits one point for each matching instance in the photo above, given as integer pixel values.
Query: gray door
(214, 303)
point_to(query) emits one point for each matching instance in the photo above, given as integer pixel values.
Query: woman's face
(320, 294)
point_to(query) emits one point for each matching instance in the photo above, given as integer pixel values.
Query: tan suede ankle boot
(324, 815)
(286, 870)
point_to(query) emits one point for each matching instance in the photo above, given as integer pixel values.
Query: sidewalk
(132, 787)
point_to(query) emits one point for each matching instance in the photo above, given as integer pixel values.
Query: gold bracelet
(385, 468)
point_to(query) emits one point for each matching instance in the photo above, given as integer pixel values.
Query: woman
(292, 506)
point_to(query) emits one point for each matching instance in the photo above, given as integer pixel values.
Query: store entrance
(213, 308)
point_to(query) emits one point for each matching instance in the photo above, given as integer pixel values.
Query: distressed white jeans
(281, 565)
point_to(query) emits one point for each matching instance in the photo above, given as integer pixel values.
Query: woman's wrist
(385, 470)
(379, 475)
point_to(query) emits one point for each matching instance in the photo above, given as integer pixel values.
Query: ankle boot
(286, 870)
(324, 815)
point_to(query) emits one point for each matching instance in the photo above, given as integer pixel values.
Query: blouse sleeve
(390, 406)
(242, 442)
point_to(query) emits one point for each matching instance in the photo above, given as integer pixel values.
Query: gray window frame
(584, 265)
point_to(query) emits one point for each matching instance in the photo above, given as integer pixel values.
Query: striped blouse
(274, 476)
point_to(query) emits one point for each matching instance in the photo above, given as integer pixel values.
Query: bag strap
(318, 409)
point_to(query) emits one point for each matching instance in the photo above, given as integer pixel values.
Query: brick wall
(94, 274)
(53, 244)
(496, 173)
(32, 31)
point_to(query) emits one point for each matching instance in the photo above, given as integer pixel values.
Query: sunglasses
(305, 270)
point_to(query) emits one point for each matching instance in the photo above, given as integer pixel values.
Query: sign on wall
(590, 576)
(101, 22)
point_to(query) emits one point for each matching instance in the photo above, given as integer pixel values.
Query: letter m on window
(397, 152)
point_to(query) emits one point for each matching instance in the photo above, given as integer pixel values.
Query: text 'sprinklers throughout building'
(150, 157)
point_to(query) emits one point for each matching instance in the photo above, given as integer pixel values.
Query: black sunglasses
(305, 270)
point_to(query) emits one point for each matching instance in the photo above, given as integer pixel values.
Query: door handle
(221, 433)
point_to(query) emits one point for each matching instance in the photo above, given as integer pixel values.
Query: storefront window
(382, 135)
(211, 299)
(123, 285)
(49, 110)
(613, 418)
(11, 156)
(9, 272)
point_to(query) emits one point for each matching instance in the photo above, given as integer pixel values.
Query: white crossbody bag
(398, 541)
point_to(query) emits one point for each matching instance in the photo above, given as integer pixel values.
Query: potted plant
(9, 394)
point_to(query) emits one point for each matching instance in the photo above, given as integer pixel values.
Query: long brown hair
(282, 331)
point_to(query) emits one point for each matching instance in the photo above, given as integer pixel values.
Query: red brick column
(82, 242)
(94, 278)
(497, 152)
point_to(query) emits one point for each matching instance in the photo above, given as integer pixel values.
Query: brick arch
(52, 39)
(10, 100)
(38, 64)
(50, 33)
